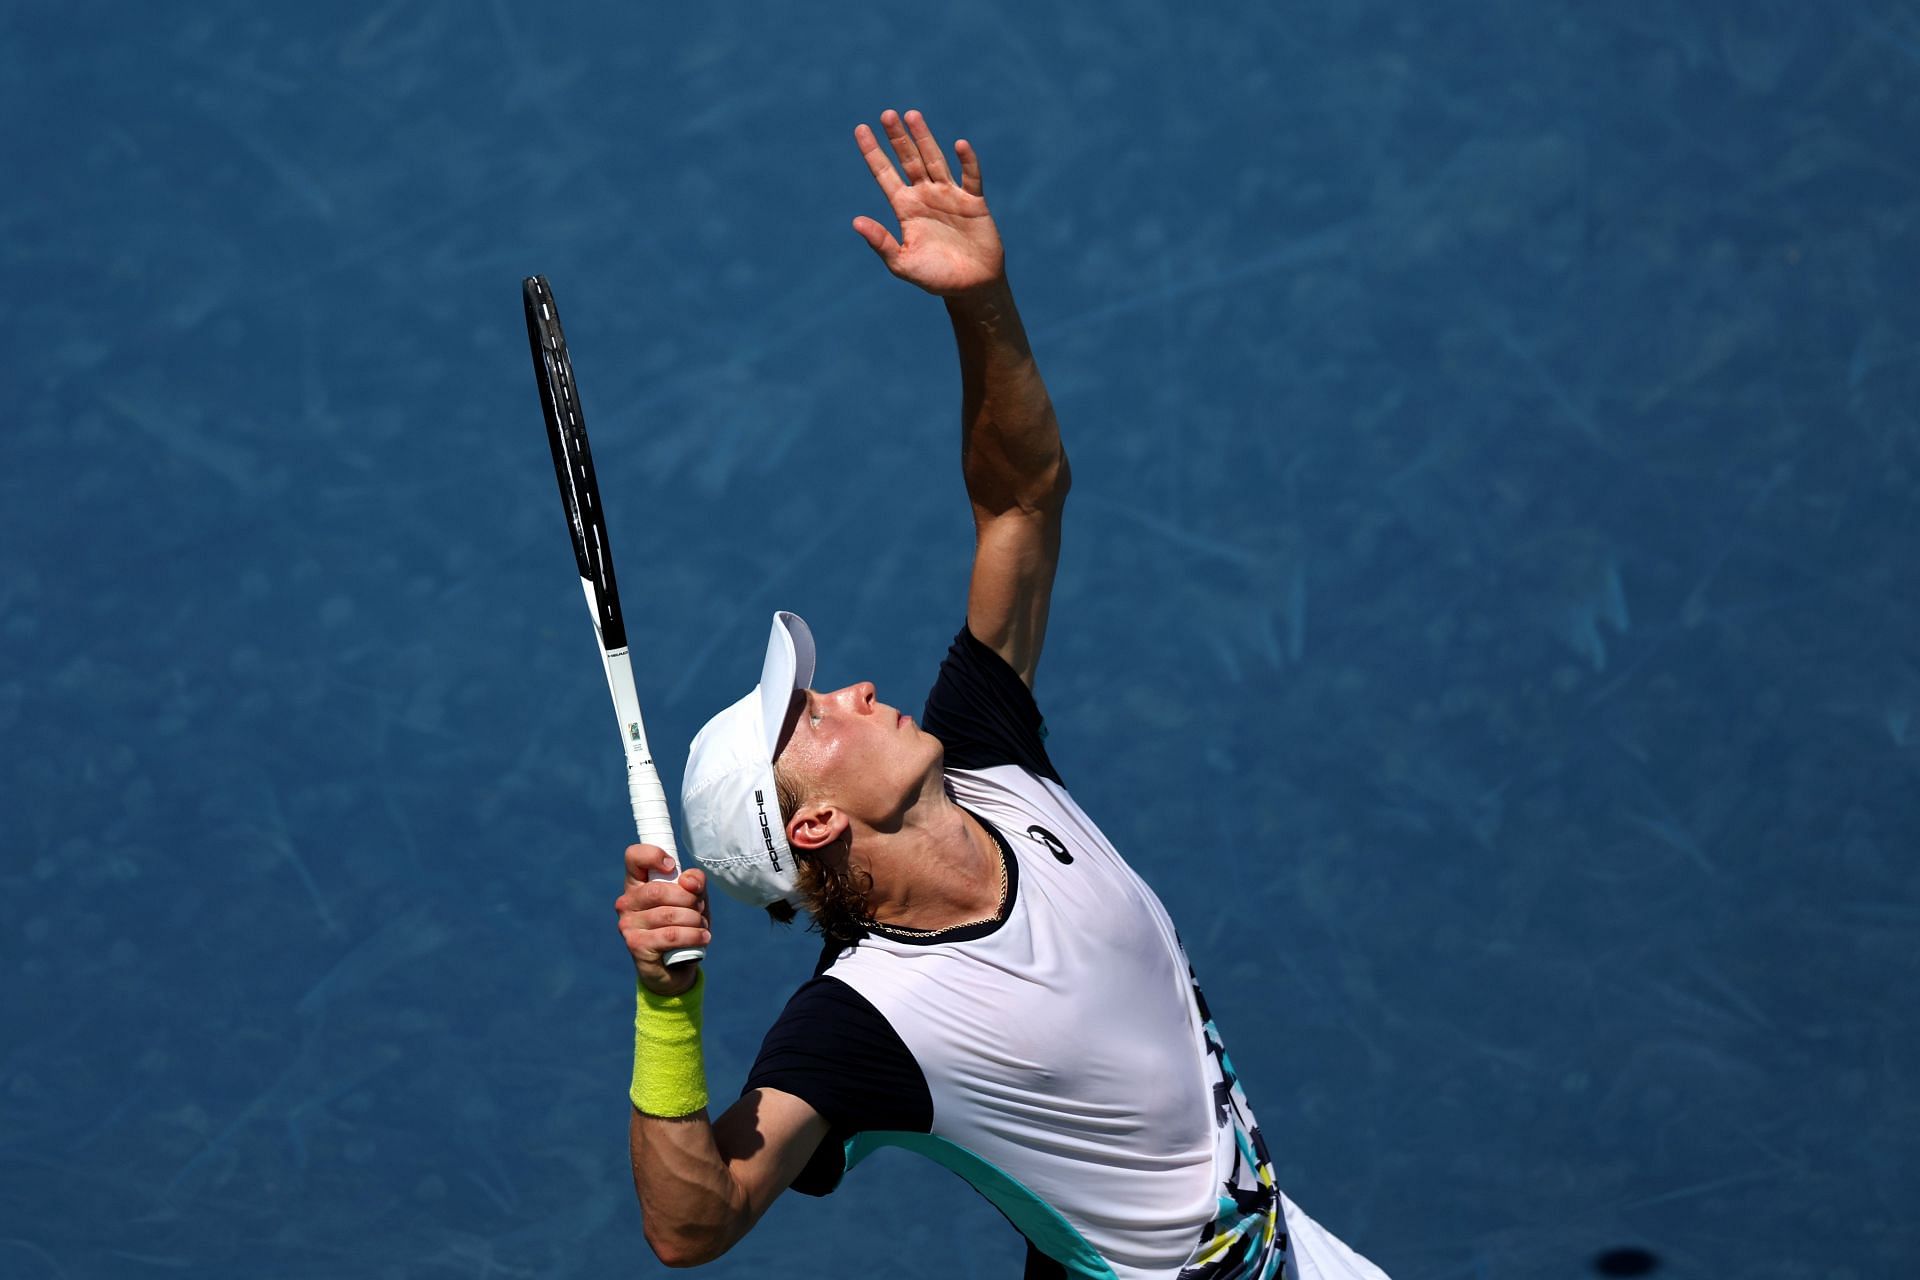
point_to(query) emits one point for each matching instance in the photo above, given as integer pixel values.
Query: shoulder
(834, 1051)
(826, 1009)
(831, 1047)
(983, 712)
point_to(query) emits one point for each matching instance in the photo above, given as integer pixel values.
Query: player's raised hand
(948, 244)
(659, 916)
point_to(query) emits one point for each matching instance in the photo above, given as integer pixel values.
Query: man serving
(999, 991)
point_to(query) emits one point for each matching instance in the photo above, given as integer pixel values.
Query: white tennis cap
(727, 796)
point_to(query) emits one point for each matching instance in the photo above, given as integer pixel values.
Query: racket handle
(654, 822)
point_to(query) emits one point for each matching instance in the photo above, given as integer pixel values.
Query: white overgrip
(652, 819)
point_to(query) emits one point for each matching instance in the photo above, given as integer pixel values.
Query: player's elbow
(1028, 481)
(693, 1241)
(1044, 503)
(671, 1254)
(680, 1248)
(1046, 490)
(1059, 481)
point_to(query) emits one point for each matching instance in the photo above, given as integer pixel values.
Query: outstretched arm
(1010, 452)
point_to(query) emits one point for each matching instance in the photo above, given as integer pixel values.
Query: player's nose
(837, 699)
(857, 697)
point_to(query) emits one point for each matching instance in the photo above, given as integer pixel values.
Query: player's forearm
(692, 1208)
(692, 1205)
(1010, 447)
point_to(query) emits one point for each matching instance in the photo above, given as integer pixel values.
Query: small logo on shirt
(1052, 842)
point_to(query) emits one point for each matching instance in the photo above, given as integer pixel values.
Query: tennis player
(999, 991)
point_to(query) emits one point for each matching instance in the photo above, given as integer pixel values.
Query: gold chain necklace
(999, 856)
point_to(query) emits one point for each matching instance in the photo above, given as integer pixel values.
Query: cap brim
(788, 667)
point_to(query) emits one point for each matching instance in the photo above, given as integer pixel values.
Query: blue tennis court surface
(1490, 613)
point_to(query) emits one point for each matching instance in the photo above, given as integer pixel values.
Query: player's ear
(815, 826)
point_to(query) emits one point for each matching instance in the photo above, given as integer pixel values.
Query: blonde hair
(836, 903)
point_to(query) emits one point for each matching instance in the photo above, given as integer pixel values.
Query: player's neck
(940, 869)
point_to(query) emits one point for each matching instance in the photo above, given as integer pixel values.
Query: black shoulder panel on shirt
(984, 714)
(834, 1051)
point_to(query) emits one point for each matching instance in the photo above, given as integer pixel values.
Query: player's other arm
(702, 1184)
(1017, 477)
(1011, 457)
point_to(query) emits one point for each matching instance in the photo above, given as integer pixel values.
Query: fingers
(650, 945)
(657, 930)
(969, 168)
(877, 162)
(657, 917)
(879, 239)
(903, 146)
(920, 156)
(931, 157)
(650, 863)
(644, 861)
(659, 894)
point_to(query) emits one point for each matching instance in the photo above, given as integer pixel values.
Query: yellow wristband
(669, 1077)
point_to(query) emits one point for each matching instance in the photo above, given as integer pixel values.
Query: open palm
(948, 244)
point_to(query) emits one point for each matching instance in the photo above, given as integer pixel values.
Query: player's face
(849, 749)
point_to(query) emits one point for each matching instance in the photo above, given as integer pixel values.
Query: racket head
(573, 459)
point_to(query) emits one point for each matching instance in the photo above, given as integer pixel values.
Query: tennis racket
(580, 495)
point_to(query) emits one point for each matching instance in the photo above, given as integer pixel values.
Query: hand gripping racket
(580, 495)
